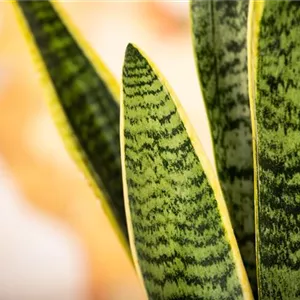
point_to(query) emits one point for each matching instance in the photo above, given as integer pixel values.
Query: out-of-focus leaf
(180, 233)
(274, 53)
(220, 35)
(84, 101)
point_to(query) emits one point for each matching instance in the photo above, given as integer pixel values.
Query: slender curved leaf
(274, 46)
(84, 101)
(181, 236)
(220, 34)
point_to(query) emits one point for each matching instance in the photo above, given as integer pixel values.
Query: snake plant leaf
(220, 35)
(180, 232)
(84, 101)
(274, 50)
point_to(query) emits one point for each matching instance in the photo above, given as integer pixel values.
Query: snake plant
(191, 232)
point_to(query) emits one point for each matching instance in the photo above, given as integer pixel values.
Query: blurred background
(55, 241)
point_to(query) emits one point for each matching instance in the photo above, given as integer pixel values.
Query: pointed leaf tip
(180, 235)
(132, 54)
(130, 49)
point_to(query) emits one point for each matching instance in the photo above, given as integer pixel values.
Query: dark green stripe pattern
(178, 233)
(220, 43)
(88, 104)
(278, 147)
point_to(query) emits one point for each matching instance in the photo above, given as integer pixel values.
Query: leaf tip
(132, 53)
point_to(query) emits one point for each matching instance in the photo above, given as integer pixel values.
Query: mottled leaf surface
(84, 99)
(276, 117)
(220, 43)
(181, 235)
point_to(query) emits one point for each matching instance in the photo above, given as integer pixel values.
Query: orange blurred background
(33, 152)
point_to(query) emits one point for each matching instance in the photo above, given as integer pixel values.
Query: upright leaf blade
(84, 101)
(220, 34)
(181, 237)
(274, 52)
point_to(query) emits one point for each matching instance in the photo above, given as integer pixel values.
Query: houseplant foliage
(164, 178)
(221, 55)
(84, 101)
(158, 189)
(274, 49)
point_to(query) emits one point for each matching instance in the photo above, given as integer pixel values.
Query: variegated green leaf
(84, 101)
(274, 44)
(220, 34)
(181, 236)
